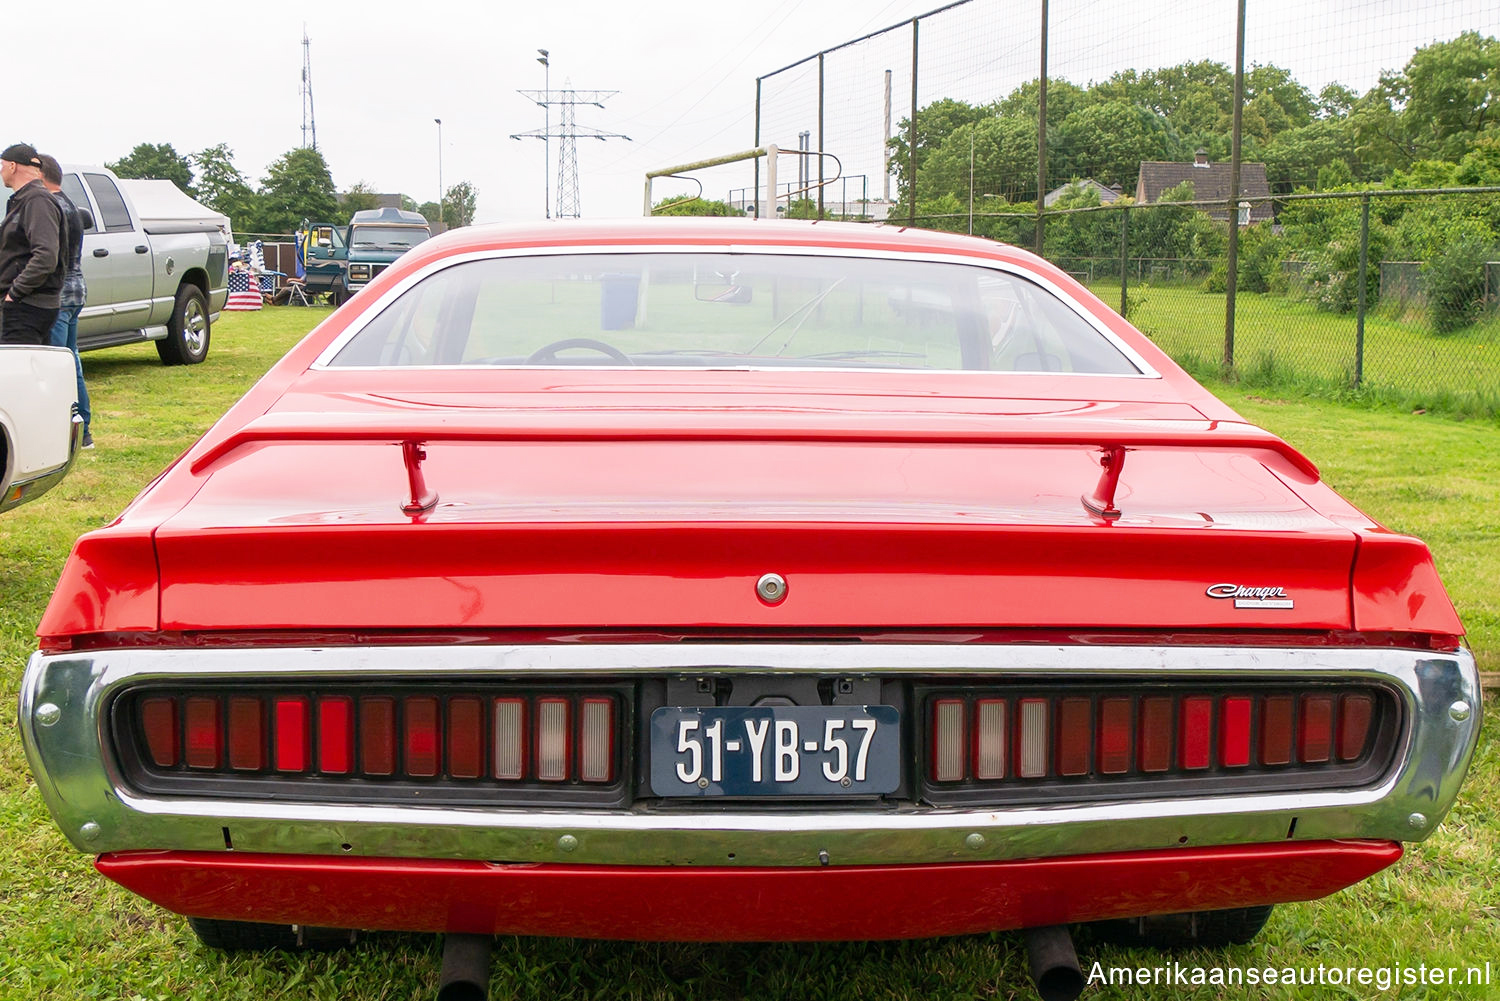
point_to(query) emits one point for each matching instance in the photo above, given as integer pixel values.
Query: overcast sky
(89, 83)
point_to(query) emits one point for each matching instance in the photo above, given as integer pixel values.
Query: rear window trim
(325, 359)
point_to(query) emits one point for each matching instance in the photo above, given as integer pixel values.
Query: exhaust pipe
(466, 968)
(1054, 963)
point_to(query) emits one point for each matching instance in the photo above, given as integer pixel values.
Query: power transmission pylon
(309, 123)
(568, 203)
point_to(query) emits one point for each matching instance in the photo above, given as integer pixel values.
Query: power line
(568, 201)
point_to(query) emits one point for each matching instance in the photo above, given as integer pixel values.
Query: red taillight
(247, 734)
(1315, 734)
(1075, 735)
(1114, 736)
(1355, 714)
(159, 726)
(1070, 735)
(293, 735)
(1234, 732)
(336, 735)
(203, 737)
(1194, 734)
(554, 738)
(1156, 734)
(422, 742)
(377, 736)
(465, 738)
(1276, 730)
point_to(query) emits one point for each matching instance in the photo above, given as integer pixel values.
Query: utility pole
(568, 203)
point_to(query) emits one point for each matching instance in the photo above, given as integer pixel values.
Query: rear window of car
(717, 310)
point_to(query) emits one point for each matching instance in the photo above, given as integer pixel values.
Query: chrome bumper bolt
(1417, 821)
(567, 843)
(1460, 711)
(974, 841)
(47, 713)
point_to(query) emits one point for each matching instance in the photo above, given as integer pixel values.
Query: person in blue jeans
(65, 329)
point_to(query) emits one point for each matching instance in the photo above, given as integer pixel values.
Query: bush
(1454, 283)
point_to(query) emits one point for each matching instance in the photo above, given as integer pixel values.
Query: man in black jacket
(31, 264)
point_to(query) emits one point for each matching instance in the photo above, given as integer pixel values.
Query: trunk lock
(771, 588)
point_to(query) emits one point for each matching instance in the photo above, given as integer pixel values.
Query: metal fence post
(1124, 255)
(1231, 279)
(756, 191)
(820, 135)
(1364, 284)
(1041, 139)
(911, 131)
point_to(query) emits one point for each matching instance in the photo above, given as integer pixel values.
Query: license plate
(775, 751)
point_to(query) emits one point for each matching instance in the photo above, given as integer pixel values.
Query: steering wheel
(548, 352)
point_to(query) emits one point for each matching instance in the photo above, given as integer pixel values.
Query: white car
(39, 432)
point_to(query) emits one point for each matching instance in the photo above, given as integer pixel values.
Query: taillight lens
(985, 738)
(551, 738)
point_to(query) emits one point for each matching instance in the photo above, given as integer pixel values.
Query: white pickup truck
(157, 271)
(39, 433)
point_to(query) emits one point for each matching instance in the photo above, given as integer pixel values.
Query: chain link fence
(940, 119)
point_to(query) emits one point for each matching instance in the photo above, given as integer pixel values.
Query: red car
(694, 580)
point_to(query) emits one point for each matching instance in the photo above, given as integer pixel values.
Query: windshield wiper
(837, 355)
(806, 309)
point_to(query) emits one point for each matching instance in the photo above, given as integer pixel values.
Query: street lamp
(546, 128)
(439, 122)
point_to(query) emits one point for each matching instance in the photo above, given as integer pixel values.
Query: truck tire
(186, 342)
(339, 295)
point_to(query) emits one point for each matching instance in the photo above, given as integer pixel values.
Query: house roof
(1210, 183)
(1106, 193)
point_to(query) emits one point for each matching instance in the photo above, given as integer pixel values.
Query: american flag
(244, 292)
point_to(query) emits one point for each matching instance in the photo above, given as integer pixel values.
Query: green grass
(69, 934)
(1294, 346)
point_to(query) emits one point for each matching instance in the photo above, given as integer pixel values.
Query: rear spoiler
(1113, 439)
(733, 425)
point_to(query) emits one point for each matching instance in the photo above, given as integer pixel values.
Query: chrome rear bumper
(65, 698)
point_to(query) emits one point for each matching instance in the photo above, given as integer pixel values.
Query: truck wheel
(339, 295)
(186, 342)
(246, 936)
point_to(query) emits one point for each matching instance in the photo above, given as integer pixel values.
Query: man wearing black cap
(31, 265)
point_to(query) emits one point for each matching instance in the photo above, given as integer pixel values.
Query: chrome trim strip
(98, 812)
(325, 359)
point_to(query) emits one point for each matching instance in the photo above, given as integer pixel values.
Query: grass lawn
(1283, 342)
(70, 934)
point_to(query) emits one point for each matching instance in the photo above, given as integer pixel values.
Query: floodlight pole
(546, 130)
(439, 122)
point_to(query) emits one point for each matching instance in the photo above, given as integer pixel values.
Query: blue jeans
(65, 335)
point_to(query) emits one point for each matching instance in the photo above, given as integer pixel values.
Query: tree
(358, 198)
(1108, 142)
(298, 186)
(430, 212)
(458, 205)
(693, 206)
(161, 162)
(222, 187)
(1436, 108)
